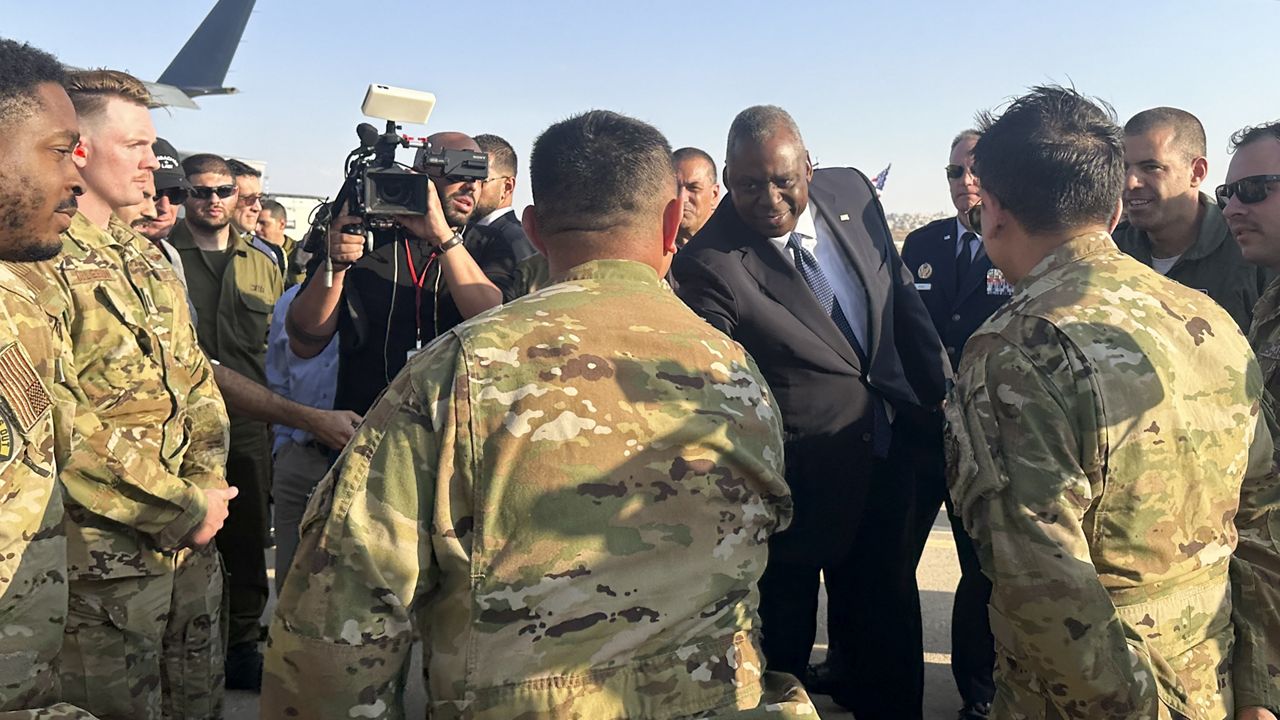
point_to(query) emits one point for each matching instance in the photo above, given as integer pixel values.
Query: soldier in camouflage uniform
(1100, 431)
(38, 182)
(1251, 205)
(143, 636)
(568, 497)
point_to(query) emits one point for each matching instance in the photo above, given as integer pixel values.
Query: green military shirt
(152, 433)
(33, 548)
(1213, 264)
(569, 498)
(1099, 434)
(1256, 569)
(233, 300)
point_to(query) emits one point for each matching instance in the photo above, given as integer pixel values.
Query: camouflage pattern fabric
(192, 666)
(151, 436)
(1099, 435)
(569, 499)
(1256, 566)
(60, 711)
(33, 548)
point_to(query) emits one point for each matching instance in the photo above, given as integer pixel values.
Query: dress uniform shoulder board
(263, 247)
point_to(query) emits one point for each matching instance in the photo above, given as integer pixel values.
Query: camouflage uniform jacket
(1099, 435)
(1256, 567)
(569, 497)
(136, 486)
(33, 547)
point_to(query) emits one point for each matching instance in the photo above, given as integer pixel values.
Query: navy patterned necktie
(807, 264)
(817, 281)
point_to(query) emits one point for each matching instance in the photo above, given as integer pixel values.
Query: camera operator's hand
(344, 248)
(432, 227)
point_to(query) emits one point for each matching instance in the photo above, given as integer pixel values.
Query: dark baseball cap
(170, 174)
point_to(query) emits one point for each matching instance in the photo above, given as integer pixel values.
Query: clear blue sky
(869, 83)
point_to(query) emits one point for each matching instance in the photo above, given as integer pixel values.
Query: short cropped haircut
(240, 168)
(760, 122)
(205, 163)
(691, 153)
(1188, 132)
(275, 210)
(502, 157)
(1054, 158)
(91, 89)
(964, 135)
(599, 170)
(23, 69)
(1253, 133)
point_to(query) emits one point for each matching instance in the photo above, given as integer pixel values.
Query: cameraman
(391, 302)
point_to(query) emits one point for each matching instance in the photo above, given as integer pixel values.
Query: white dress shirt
(973, 249)
(845, 282)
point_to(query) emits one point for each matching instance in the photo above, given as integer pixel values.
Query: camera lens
(395, 191)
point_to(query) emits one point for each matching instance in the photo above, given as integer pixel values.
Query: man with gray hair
(800, 268)
(570, 510)
(1173, 227)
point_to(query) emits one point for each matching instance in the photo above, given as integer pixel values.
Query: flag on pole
(878, 181)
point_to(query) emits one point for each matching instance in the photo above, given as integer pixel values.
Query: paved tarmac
(937, 577)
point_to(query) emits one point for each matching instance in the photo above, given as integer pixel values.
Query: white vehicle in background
(298, 209)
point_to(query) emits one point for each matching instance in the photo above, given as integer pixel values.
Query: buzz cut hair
(1188, 131)
(693, 153)
(1253, 133)
(91, 90)
(599, 171)
(23, 69)
(202, 163)
(759, 123)
(275, 210)
(502, 157)
(240, 168)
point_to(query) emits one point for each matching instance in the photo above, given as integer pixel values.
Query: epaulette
(265, 248)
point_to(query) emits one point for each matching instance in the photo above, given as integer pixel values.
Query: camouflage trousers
(61, 711)
(149, 647)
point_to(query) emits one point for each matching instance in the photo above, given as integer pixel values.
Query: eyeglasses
(251, 199)
(1250, 190)
(176, 195)
(955, 172)
(974, 216)
(203, 192)
(491, 178)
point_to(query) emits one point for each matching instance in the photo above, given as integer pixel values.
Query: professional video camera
(376, 188)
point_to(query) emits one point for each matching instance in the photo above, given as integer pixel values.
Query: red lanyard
(418, 280)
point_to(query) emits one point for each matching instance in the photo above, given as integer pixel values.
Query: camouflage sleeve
(1255, 576)
(205, 462)
(103, 477)
(1018, 480)
(340, 640)
(60, 711)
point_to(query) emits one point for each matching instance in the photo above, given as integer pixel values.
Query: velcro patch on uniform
(88, 275)
(20, 388)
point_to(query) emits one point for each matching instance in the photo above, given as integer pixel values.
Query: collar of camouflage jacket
(1071, 251)
(628, 270)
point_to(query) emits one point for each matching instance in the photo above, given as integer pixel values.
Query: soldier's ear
(529, 220)
(671, 215)
(1116, 215)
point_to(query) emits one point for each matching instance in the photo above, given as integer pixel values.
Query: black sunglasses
(974, 216)
(202, 192)
(176, 195)
(955, 172)
(1250, 190)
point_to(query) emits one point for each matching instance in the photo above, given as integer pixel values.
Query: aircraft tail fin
(200, 67)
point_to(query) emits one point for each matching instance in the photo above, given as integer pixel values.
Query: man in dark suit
(799, 268)
(961, 289)
(493, 203)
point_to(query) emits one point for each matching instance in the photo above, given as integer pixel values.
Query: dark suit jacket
(743, 285)
(508, 226)
(929, 253)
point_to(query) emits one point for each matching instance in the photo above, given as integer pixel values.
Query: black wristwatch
(452, 242)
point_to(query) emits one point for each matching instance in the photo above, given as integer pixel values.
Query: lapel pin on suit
(844, 217)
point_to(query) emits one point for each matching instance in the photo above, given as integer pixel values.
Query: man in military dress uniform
(568, 500)
(1101, 430)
